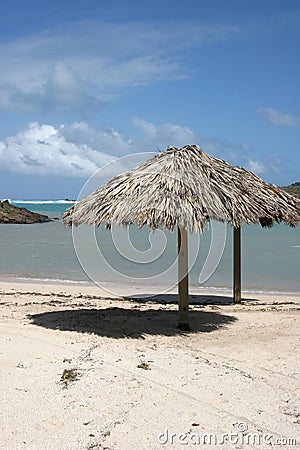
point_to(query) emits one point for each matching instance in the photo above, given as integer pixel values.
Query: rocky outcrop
(12, 214)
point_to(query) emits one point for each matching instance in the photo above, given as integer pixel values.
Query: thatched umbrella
(184, 188)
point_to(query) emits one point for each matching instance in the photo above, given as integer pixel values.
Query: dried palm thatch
(184, 188)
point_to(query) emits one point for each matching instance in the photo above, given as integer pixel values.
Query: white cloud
(278, 118)
(165, 135)
(74, 150)
(65, 88)
(78, 150)
(147, 127)
(60, 89)
(82, 65)
(255, 166)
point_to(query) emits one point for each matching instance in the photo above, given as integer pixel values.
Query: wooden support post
(183, 284)
(237, 265)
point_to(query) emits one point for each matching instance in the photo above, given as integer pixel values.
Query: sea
(51, 252)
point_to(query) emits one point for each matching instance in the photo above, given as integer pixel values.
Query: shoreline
(119, 291)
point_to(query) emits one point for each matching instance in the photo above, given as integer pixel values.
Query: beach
(102, 365)
(149, 225)
(81, 369)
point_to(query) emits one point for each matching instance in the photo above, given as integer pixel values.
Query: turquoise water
(270, 257)
(52, 208)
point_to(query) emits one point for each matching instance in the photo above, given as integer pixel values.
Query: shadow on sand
(194, 299)
(135, 321)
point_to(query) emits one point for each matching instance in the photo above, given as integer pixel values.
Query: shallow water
(270, 257)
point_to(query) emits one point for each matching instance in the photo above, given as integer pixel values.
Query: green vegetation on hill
(293, 189)
(12, 214)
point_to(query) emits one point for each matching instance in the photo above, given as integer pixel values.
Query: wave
(194, 290)
(50, 280)
(250, 291)
(42, 202)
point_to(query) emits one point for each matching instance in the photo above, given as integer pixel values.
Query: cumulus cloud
(74, 150)
(78, 150)
(278, 118)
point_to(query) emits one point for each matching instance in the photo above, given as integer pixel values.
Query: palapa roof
(185, 187)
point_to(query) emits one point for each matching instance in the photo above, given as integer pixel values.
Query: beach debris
(143, 365)
(105, 433)
(67, 360)
(20, 366)
(96, 445)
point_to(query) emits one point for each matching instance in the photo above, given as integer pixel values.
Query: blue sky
(85, 81)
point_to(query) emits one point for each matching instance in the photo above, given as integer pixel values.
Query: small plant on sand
(68, 376)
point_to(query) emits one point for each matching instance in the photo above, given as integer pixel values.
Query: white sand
(238, 368)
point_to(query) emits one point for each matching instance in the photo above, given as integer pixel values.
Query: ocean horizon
(45, 253)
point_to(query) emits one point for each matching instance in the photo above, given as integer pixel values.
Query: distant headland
(12, 214)
(293, 189)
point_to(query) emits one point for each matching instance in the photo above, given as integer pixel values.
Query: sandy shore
(132, 380)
